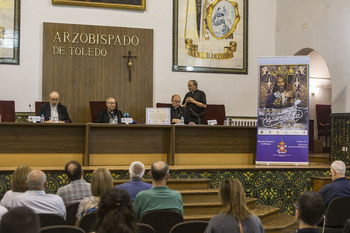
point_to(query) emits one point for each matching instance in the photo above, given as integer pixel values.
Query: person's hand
(61, 122)
(190, 99)
(289, 94)
(191, 123)
(176, 121)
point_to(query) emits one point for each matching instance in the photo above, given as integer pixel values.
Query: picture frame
(139, 5)
(10, 32)
(210, 36)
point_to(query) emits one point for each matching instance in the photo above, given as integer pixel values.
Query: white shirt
(3, 211)
(40, 202)
(6, 201)
(54, 113)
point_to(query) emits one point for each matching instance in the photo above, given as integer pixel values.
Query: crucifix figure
(129, 60)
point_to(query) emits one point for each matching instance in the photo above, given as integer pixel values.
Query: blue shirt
(134, 187)
(338, 188)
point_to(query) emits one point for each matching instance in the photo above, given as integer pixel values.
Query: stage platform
(276, 186)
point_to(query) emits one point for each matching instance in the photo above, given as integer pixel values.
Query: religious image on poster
(283, 112)
(283, 102)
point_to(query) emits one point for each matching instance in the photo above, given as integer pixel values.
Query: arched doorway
(320, 92)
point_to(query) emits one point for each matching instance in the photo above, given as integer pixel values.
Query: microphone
(30, 108)
(199, 119)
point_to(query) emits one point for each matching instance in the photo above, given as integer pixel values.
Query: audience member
(101, 181)
(235, 217)
(195, 102)
(115, 213)
(109, 114)
(18, 183)
(340, 187)
(135, 185)
(309, 212)
(346, 228)
(54, 111)
(159, 197)
(78, 188)
(20, 220)
(36, 198)
(177, 112)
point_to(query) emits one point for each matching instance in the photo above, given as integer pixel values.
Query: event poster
(283, 110)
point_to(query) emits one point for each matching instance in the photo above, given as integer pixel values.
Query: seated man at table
(178, 111)
(340, 187)
(135, 185)
(54, 111)
(108, 114)
(159, 197)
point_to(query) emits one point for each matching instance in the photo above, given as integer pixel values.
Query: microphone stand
(199, 119)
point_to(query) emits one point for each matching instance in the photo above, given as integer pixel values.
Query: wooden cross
(129, 63)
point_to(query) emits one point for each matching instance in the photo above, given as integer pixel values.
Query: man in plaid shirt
(78, 188)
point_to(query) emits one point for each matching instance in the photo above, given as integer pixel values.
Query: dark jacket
(62, 112)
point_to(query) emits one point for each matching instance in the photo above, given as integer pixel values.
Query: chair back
(145, 228)
(51, 220)
(37, 106)
(189, 227)
(61, 229)
(162, 105)
(96, 106)
(71, 211)
(162, 220)
(7, 111)
(214, 112)
(337, 212)
(323, 112)
(88, 221)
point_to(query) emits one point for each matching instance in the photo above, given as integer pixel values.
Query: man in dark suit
(108, 115)
(178, 111)
(54, 111)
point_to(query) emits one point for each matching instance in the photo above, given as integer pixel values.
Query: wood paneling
(42, 138)
(80, 79)
(215, 139)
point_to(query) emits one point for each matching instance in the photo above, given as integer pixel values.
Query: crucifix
(129, 63)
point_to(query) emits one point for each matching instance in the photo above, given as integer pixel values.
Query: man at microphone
(177, 111)
(195, 102)
(109, 114)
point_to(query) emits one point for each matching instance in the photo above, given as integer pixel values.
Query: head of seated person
(136, 170)
(309, 209)
(73, 170)
(20, 220)
(19, 178)
(115, 213)
(338, 169)
(159, 173)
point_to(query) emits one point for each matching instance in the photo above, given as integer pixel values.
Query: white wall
(23, 83)
(322, 25)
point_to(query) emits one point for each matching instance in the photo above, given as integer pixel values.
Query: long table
(113, 145)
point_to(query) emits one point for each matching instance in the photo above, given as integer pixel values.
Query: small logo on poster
(282, 148)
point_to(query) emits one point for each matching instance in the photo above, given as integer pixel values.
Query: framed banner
(139, 5)
(210, 36)
(283, 110)
(9, 31)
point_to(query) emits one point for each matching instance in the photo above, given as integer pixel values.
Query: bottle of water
(228, 121)
(182, 121)
(115, 119)
(42, 118)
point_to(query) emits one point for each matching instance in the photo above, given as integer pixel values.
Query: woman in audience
(235, 217)
(115, 213)
(101, 181)
(18, 183)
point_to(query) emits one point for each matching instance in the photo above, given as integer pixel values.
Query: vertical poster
(283, 110)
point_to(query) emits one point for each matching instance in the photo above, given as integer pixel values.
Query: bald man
(159, 197)
(54, 111)
(36, 198)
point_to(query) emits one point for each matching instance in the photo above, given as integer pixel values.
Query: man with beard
(280, 98)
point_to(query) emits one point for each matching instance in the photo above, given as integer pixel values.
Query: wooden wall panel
(83, 78)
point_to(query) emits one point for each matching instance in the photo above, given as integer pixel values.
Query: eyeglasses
(177, 101)
(110, 102)
(54, 99)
